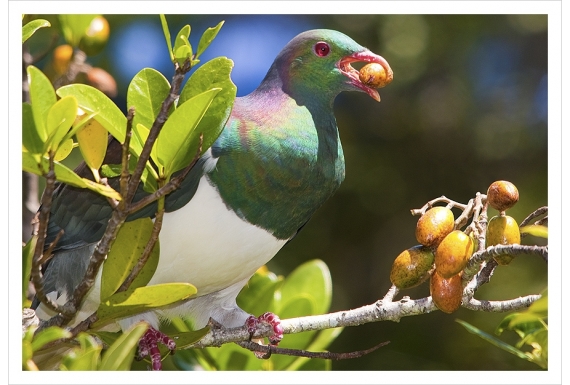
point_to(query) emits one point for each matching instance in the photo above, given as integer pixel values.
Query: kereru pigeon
(278, 159)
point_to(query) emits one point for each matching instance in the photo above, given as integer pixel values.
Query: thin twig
(270, 349)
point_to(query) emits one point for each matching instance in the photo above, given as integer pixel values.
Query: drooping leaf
(212, 74)
(494, 341)
(59, 120)
(120, 355)
(74, 27)
(178, 141)
(42, 98)
(146, 92)
(27, 254)
(207, 37)
(31, 139)
(30, 163)
(93, 139)
(30, 28)
(124, 255)
(50, 334)
(91, 99)
(143, 298)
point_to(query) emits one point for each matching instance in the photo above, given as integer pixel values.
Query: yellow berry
(434, 225)
(446, 293)
(453, 253)
(503, 230)
(95, 37)
(374, 75)
(411, 267)
(61, 58)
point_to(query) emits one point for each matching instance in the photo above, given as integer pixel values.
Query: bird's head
(317, 64)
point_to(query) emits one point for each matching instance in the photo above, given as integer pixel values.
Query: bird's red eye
(322, 49)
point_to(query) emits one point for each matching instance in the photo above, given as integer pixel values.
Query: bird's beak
(353, 75)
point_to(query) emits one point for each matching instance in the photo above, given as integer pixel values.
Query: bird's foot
(271, 319)
(148, 346)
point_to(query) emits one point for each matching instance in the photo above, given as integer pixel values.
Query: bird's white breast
(206, 244)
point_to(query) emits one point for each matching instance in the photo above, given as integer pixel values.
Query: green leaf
(93, 139)
(87, 357)
(143, 298)
(150, 175)
(535, 230)
(207, 37)
(120, 355)
(27, 254)
(178, 141)
(64, 174)
(50, 334)
(64, 150)
(74, 27)
(146, 92)
(494, 341)
(42, 97)
(29, 29)
(91, 99)
(182, 48)
(311, 279)
(31, 139)
(166, 32)
(60, 118)
(124, 255)
(213, 74)
(186, 339)
(257, 296)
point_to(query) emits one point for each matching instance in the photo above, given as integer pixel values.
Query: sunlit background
(468, 106)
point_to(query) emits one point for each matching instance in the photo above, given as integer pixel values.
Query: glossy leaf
(50, 334)
(207, 37)
(212, 74)
(31, 139)
(74, 27)
(312, 279)
(30, 28)
(91, 99)
(93, 139)
(146, 92)
(120, 355)
(178, 141)
(124, 255)
(182, 48)
(150, 175)
(59, 120)
(42, 98)
(131, 302)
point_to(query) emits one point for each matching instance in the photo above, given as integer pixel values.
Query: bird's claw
(148, 346)
(271, 319)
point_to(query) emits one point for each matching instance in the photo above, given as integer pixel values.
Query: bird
(277, 160)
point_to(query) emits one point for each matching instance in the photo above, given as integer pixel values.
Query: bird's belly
(206, 244)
